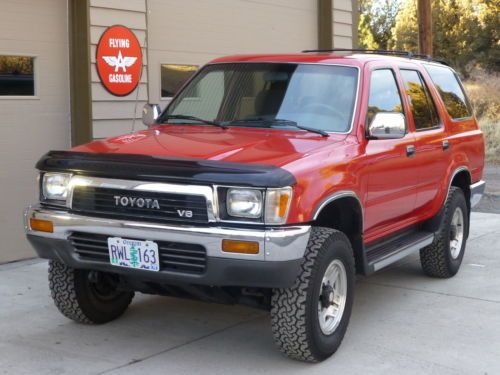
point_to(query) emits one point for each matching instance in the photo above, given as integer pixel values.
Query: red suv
(269, 180)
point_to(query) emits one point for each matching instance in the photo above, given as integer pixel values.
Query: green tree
(465, 32)
(376, 20)
(455, 32)
(405, 29)
(488, 40)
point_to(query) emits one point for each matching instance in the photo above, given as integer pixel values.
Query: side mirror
(150, 114)
(387, 125)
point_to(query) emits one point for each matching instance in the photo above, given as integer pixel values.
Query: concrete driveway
(403, 323)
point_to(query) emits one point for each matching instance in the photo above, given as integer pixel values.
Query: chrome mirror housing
(150, 114)
(387, 125)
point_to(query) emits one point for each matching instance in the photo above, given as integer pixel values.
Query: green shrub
(483, 90)
(491, 130)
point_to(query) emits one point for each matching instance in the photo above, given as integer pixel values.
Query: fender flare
(336, 196)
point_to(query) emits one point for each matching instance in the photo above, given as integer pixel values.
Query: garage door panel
(31, 126)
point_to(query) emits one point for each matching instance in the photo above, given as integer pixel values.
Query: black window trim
(403, 106)
(426, 85)
(467, 101)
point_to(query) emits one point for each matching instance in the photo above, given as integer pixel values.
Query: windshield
(270, 94)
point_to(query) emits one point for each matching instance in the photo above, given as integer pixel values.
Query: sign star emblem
(120, 62)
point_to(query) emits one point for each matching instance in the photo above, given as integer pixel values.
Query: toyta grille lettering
(136, 202)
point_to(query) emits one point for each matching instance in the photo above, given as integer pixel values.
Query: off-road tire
(74, 297)
(436, 259)
(294, 310)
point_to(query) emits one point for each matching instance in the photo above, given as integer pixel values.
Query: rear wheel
(444, 256)
(86, 296)
(309, 319)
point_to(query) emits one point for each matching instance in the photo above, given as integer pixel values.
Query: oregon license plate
(133, 254)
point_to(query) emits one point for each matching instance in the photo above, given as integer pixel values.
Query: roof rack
(407, 54)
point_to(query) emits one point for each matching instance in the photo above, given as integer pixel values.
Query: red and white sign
(119, 60)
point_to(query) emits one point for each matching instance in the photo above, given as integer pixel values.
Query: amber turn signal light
(241, 247)
(42, 225)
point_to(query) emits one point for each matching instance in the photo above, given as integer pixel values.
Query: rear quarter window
(451, 91)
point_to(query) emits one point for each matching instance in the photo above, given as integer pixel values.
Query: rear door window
(422, 106)
(451, 91)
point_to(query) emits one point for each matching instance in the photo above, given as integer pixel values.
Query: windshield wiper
(279, 121)
(194, 118)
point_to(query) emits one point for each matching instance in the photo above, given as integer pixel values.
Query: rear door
(431, 146)
(392, 177)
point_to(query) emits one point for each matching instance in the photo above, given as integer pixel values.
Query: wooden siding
(112, 115)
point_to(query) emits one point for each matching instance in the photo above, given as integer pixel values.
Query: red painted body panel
(396, 191)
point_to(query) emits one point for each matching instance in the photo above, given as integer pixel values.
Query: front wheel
(309, 319)
(86, 296)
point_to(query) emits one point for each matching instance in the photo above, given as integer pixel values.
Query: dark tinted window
(450, 90)
(422, 106)
(16, 76)
(173, 76)
(384, 94)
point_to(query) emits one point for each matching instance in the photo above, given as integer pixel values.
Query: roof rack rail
(407, 54)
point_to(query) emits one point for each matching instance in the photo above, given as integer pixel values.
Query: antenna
(138, 87)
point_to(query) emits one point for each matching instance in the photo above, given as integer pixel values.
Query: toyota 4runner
(270, 181)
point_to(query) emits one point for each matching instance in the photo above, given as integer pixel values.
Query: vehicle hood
(241, 145)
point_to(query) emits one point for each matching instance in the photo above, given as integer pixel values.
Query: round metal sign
(119, 60)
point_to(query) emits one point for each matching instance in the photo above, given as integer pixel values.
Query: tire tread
(288, 305)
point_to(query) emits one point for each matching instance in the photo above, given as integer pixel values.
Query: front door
(392, 176)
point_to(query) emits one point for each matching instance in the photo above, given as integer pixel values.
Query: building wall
(31, 126)
(191, 32)
(196, 31)
(343, 19)
(112, 115)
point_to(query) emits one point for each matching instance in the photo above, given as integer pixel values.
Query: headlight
(277, 205)
(55, 186)
(251, 204)
(244, 203)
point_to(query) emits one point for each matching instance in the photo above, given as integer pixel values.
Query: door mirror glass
(387, 125)
(150, 114)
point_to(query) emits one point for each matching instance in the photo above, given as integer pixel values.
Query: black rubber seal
(165, 169)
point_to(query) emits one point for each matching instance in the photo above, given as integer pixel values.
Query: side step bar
(387, 252)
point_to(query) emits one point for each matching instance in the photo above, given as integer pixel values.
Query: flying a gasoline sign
(119, 60)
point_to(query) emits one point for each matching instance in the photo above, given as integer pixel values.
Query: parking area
(403, 323)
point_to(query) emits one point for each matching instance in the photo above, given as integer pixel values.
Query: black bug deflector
(165, 169)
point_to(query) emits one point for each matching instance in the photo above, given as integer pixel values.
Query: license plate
(136, 254)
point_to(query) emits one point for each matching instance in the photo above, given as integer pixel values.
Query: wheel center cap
(453, 232)
(327, 295)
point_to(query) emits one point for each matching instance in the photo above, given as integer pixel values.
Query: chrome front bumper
(276, 245)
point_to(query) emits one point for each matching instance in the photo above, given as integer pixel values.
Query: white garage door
(34, 106)
(192, 32)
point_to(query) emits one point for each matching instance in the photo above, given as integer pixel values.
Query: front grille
(169, 207)
(174, 256)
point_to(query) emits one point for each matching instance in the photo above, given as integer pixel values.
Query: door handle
(446, 145)
(410, 150)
